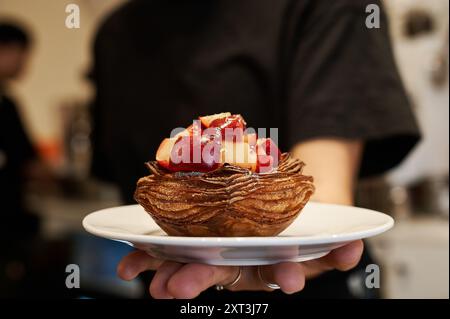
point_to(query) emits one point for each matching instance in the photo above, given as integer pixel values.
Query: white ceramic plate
(319, 229)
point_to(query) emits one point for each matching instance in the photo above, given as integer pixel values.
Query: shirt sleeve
(343, 82)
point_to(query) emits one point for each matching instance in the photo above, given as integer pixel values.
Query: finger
(289, 276)
(134, 263)
(192, 279)
(342, 258)
(346, 257)
(158, 287)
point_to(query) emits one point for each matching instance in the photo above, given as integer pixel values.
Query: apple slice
(251, 139)
(164, 151)
(206, 120)
(185, 132)
(240, 154)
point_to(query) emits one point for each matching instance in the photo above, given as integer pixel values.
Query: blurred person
(16, 149)
(310, 68)
(18, 227)
(28, 262)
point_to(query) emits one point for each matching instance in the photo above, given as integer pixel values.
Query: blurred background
(53, 97)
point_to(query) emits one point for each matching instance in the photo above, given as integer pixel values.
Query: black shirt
(15, 150)
(309, 67)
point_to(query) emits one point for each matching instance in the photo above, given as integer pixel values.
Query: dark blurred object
(98, 259)
(418, 22)
(427, 196)
(16, 154)
(77, 145)
(12, 32)
(16, 149)
(31, 267)
(379, 194)
(430, 195)
(74, 177)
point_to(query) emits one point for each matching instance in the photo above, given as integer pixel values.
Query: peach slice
(240, 154)
(164, 151)
(251, 138)
(207, 120)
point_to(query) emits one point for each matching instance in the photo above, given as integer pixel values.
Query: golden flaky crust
(230, 201)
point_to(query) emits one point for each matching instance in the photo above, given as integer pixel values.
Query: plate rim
(240, 241)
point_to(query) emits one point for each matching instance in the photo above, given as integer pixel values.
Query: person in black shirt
(310, 68)
(16, 150)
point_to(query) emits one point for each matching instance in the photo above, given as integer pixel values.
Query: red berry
(195, 153)
(232, 127)
(268, 155)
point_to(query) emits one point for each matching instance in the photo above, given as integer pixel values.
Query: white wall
(415, 58)
(60, 58)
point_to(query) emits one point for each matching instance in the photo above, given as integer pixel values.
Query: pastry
(239, 185)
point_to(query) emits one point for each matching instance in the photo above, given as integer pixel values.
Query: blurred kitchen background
(54, 96)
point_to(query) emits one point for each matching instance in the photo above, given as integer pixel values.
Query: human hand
(185, 281)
